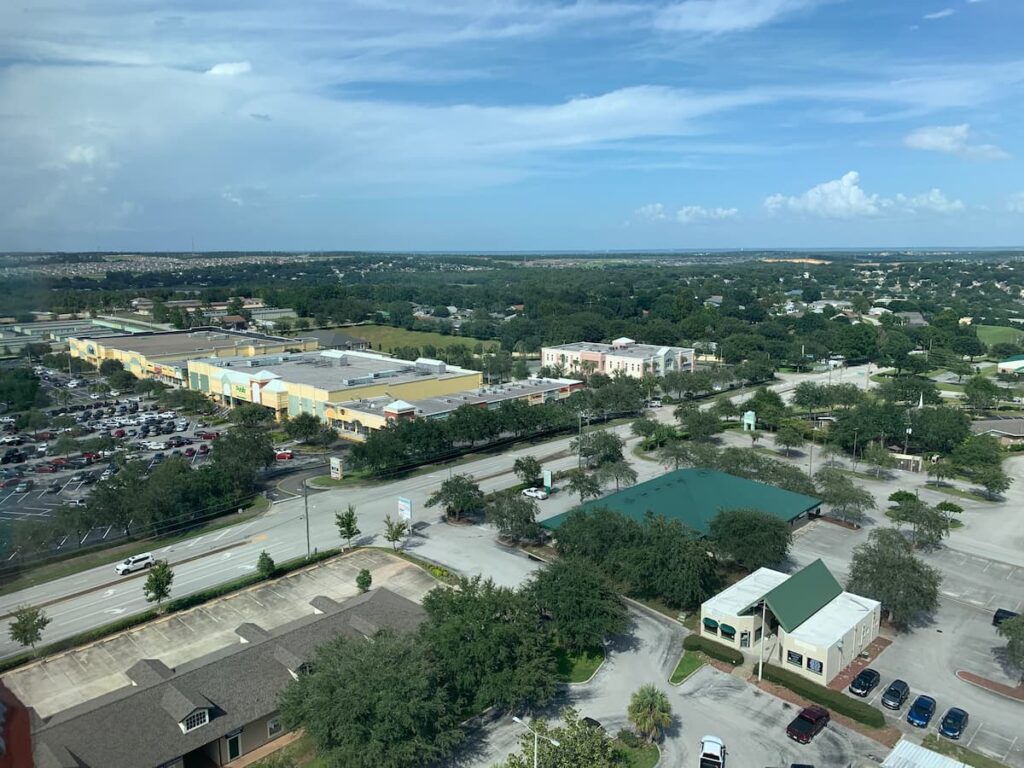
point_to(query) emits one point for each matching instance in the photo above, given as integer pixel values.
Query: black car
(865, 682)
(954, 723)
(896, 695)
(1001, 615)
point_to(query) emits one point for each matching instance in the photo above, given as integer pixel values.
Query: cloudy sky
(510, 124)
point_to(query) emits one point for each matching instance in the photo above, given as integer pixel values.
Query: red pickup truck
(807, 724)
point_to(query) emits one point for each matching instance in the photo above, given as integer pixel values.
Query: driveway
(751, 722)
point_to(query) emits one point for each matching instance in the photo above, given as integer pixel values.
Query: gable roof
(695, 496)
(802, 595)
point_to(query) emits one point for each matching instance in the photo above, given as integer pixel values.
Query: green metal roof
(802, 595)
(695, 496)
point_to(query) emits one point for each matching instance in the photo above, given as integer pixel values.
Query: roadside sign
(337, 468)
(405, 509)
(547, 480)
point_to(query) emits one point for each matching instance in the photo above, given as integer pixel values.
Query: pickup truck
(712, 752)
(806, 725)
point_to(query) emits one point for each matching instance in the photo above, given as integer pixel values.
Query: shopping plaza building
(623, 357)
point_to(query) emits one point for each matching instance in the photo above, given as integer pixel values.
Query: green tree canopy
(579, 745)
(303, 426)
(751, 537)
(459, 495)
(514, 515)
(649, 711)
(27, 626)
(885, 569)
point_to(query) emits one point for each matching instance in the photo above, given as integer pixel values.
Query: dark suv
(896, 695)
(865, 682)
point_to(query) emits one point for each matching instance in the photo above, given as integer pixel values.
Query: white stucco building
(623, 356)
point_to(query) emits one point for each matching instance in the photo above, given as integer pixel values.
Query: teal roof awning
(710, 623)
(726, 629)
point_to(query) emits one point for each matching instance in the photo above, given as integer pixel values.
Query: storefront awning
(710, 623)
(727, 630)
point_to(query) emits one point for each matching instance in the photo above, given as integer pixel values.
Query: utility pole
(305, 501)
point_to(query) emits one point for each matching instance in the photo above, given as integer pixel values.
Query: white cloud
(845, 199)
(944, 13)
(230, 69)
(951, 139)
(651, 212)
(1016, 203)
(230, 197)
(82, 154)
(837, 199)
(722, 16)
(691, 213)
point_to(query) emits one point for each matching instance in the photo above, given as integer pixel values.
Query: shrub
(629, 739)
(712, 649)
(834, 700)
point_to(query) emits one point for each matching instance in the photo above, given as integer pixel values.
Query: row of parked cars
(920, 713)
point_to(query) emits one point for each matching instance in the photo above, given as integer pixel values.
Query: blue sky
(510, 124)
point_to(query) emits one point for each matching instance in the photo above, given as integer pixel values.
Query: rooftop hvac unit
(436, 367)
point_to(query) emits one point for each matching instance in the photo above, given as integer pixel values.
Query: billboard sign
(405, 509)
(547, 480)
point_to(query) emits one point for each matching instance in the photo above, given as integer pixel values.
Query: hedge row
(710, 648)
(835, 700)
(180, 604)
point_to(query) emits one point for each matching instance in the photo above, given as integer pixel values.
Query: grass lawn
(997, 334)
(645, 756)
(352, 477)
(950, 490)
(688, 664)
(386, 338)
(944, 387)
(957, 752)
(862, 475)
(578, 669)
(109, 555)
(640, 453)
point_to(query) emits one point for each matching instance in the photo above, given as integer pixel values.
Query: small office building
(623, 356)
(807, 622)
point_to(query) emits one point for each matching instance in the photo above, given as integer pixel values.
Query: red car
(60, 461)
(92, 456)
(118, 433)
(285, 455)
(44, 468)
(209, 435)
(204, 449)
(190, 451)
(807, 724)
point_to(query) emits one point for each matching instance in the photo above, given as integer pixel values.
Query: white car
(94, 396)
(115, 392)
(535, 493)
(712, 752)
(134, 563)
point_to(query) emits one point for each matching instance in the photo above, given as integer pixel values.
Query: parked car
(190, 452)
(921, 711)
(77, 503)
(284, 455)
(712, 752)
(954, 723)
(208, 435)
(535, 493)
(203, 449)
(654, 403)
(808, 724)
(54, 487)
(134, 563)
(865, 682)
(1001, 615)
(78, 477)
(895, 695)
(47, 468)
(24, 486)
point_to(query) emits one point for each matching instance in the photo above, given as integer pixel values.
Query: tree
(303, 426)
(618, 471)
(649, 711)
(993, 479)
(578, 745)
(374, 704)
(848, 501)
(767, 404)
(490, 646)
(948, 510)
(981, 392)
(459, 495)
(751, 537)
(251, 415)
(108, 367)
(699, 425)
(598, 447)
(364, 580)
(1013, 631)
(885, 569)
(514, 515)
(158, 582)
(394, 530)
(27, 625)
(527, 469)
(790, 436)
(940, 470)
(725, 408)
(584, 607)
(928, 524)
(584, 485)
(879, 457)
(675, 453)
(938, 429)
(265, 565)
(348, 524)
(64, 445)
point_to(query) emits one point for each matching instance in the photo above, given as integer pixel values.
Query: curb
(600, 666)
(985, 687)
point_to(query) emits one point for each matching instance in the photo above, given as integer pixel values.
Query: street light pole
(760, 659)
(536, 738)
(855, 449)
(305, 501)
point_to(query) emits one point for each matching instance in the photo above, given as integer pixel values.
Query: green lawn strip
(387, 338)
(172, 606)
(950, 749)
(836, 701)
(688, 664)
(439, 572)
(950, 490)
(353, 477)
(997, 334)
(640, 453)
(713, 649)
(953, 524)
(944, 387)
(97, 557)
(578, 668)
(644, 756)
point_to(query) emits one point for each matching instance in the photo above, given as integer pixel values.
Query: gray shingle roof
(137, 726)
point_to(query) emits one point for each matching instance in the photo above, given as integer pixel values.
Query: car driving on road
(535, 493)
(134, 563)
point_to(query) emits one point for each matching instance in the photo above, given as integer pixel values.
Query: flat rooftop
(695, 496)
(489, 395)
(744, 593)
(334, 370)
(828, 625)
(193, 342)
(640, 351)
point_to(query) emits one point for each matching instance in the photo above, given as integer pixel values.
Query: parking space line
(1012, 745)
(980, 726)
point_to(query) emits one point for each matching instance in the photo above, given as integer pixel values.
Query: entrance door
(744, 639)
(234, 746)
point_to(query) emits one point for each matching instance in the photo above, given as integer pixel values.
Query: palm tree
(649, 711)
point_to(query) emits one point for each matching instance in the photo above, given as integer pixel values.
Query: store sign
(547, 480)
(815, 666)
(795, 658)
(405, 509)
(337, 468)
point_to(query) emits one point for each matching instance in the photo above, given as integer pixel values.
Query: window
(792, 657)
(197, 719)
(814, 666)
(274, 727)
